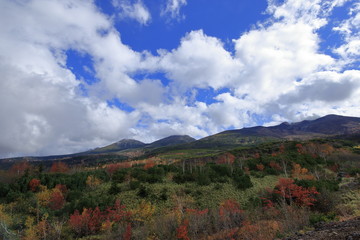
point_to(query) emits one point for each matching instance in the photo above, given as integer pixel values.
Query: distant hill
(325, 126)
(128, 144)
(333, 126)
(171, 141)
(328, 126)
(121, 145)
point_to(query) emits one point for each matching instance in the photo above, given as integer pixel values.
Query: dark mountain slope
(328, 126)
(171, 140)
(128, 144)
(119, 146)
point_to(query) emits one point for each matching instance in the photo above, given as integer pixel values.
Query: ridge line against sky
(78, 74)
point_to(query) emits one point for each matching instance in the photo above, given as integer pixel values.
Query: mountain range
(127, 144)
(330, 126)
(324, 127)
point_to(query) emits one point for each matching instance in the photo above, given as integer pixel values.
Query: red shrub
(90, 221)
(34, 184)
(260, 167)
(128, 232)
(182, 230)
(20, 168)
(149, 164)
(57, 200)
(292, 192)
(112, 168)
(59, 167)
(275, 165)
(62, 188)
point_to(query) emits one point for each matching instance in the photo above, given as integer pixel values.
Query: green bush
(243, 182)
(134, 185)
(203, 179)
(114, 188)
(330, 185)
(353, 171)
(184, 177)
(119, 176)
(4, 189)
(321, 217)
(144, 191)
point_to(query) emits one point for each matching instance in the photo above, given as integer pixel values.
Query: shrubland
(261, 192)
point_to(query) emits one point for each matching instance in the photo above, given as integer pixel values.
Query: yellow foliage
(143, 212)
(264, 230)
(301, 173)
(92, 181)
(350, 203)
(44, 196)
(107, 225)
(42, 227)
(30, 231)
(4, 217)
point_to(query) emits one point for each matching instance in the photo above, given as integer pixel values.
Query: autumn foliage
(275, 165)
(112, 168)
(190, 198)
(128, 232)
(290, 192)
(149, 164)
(92, 181)
(301, 173)
(229, 207)
(59, 167)
(20, 168)
(57, 200)
(182, 230)
(226, 158)
(34, 184)
(91, 221)
(63, 189)
(260, 167)
(299, 148)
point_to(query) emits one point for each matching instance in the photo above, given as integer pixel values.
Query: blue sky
(78, 74)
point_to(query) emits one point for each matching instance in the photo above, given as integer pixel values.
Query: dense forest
(262, 192)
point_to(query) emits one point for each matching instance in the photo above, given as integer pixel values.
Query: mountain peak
(128, 140)
(172, 140)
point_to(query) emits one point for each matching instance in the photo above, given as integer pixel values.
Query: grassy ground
(194, 195)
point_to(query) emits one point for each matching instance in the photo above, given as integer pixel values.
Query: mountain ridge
(327, 126)
(128, 144)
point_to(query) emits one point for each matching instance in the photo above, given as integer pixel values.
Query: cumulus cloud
(277, 72)
(277, 56)
(350, 29)
(326, 87)
(200, 61)
(134, 10)
(172, 9)
(42, 110)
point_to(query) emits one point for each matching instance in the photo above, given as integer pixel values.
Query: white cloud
(172, 9)
(310, 12)
(319, 94)
(200, 61)
(350, 29)
(134, 10)
(275, 57)
(322, 86)
(277, 72)
(42, 110)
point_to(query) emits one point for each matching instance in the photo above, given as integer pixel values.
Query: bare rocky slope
(346, 230)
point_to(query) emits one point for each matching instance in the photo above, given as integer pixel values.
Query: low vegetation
(262, 192)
